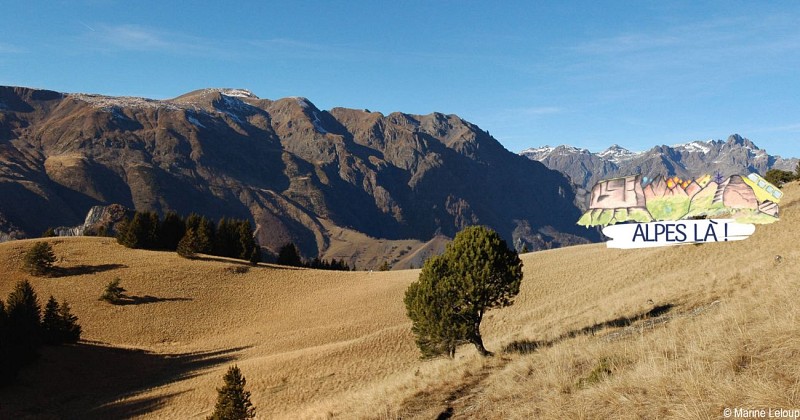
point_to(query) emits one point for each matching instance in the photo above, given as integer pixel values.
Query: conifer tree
(255, 256)
(246, 241)
(24, 317)
(233, 402)
(3, 322)
(68, 327)
(188, 245)
(135, 235)
(476, 273)
(113, 292)
(39, 259)
(205, 236)
(193, 221)
(172, 230)
(226, 243)
(8, 366)
(124, 237)
(141, 232)
(59, 325)
(51, 322)
(152, 230)
(434, 306)
(289, 255)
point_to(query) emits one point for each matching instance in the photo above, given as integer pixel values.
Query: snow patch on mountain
(735, 155)
(318, 124)
(539, 153)
(194, 121)
(303, 102)
(237, 93)
(233, 107)
(110, 102)
(617, 153)
(694, 146)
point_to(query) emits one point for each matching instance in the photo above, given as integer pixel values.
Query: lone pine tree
(39, 259)
(477, 272)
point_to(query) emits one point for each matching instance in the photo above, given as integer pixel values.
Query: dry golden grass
(315, 344)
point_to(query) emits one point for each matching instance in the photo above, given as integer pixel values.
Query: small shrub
(384, 267)
(237, 269)
(113, 293)
(598, 374)
(39, 259)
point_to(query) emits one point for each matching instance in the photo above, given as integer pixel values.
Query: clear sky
(586, 73)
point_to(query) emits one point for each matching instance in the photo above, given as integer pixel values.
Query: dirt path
(454, 401)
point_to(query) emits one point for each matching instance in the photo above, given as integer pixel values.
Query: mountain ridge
(293, 169)
(735, 156)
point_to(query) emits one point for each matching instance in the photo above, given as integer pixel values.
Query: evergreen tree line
(779, 177)
(23, 328)
(289, 255)
(197, 234)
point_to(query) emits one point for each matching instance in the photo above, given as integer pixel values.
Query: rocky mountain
(301, 174)
(734, 156)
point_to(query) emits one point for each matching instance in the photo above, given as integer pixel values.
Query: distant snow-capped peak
(695, 146)
(617, 153)
(539, 153)
(237, 93)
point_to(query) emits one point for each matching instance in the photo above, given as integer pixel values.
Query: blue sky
(584, 73)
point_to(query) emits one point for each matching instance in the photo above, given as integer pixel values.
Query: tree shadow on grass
(93, 380)
(83, 269)
(245, 263)
(530, 346)
(141, 300)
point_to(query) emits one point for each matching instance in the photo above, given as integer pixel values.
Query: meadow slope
(680, 332)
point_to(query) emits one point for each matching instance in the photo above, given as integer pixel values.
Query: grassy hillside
(677, 332)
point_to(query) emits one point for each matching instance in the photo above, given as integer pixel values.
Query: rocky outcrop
(100, 220)
(8, 231)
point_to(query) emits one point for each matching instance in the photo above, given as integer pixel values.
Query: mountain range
(343, 179)
(734, 156)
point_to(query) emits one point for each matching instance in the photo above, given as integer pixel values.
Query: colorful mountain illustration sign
(638, 212)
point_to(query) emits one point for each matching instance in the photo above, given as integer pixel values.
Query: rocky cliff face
(100, 220)
(734, 156)
(294, 170)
